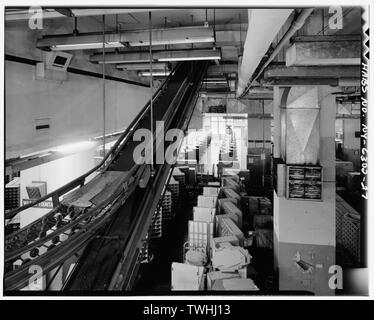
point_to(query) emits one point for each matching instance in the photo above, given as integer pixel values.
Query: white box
(186, 277)
(206, 201)
(200, 234)
(204, 214)
(211, 191)
(219, 275)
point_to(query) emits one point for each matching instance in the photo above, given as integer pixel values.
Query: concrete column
(304, 230)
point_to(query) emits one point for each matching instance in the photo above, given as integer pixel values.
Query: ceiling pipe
(296, 25)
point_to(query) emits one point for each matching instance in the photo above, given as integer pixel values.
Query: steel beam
(280, 72)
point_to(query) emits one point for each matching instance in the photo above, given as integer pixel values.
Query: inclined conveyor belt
(96, 229)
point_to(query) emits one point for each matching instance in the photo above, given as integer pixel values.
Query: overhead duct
(168, 55)
(169, 36)
(296, 25)
(263, 26)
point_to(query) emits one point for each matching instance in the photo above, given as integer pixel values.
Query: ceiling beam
(222, 69)
(168, 55)
(288, 82)
(327, 38)
(279, 72)
(321, 53)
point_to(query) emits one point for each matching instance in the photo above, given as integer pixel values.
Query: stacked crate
(12, 195)
(186, 171)
(222, 201)
(230, 193)
(219, 238)
(261, 211)
(192, 194)
(192, 179)
(156, 225)
(173, 187)
(201, 228)
(257, 205)
(230, 208)
(232, 182)
(348, 228)
(181, 178)
(145, 256)
(228, 228)
(166, 204)
(200, 234)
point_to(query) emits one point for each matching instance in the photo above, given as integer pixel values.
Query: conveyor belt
(107, 218)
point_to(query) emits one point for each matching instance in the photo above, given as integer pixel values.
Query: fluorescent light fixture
(74, 147)
(215, 82)
(86, 46)
(171, 42)
(154, 74)
(142, 66)
(190, 58)
(158, 56)
(119, 60)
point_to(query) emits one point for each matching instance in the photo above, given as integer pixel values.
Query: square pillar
(304, 230)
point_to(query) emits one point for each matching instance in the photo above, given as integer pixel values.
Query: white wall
(349, 128)
(75, 108)
(56, 173)
(259, 129)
